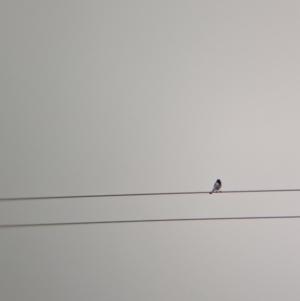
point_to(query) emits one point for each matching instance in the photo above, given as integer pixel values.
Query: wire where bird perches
(143, 194)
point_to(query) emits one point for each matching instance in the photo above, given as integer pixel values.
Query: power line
(151, 221)
(142, 194)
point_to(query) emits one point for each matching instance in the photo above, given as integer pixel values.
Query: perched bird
(217, 186)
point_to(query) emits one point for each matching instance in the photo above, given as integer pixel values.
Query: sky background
(113, 97)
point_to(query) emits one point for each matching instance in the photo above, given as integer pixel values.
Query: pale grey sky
(101, 97)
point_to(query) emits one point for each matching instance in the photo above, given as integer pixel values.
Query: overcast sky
(112, 97)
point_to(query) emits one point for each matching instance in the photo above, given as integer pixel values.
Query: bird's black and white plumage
(217, 186)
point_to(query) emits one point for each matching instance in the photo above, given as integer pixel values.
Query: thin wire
(140, 194)
(150, 221)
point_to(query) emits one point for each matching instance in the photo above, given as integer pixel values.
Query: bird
(217, 186)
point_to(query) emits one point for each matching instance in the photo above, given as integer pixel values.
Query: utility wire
(151, 221)
(141, 194)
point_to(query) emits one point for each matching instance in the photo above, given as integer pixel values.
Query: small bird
(217, 186)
